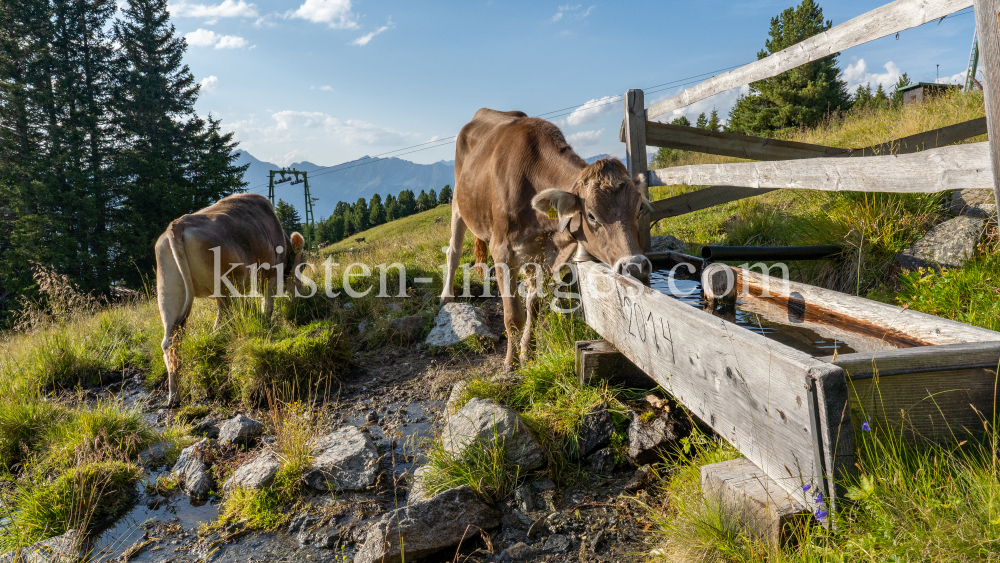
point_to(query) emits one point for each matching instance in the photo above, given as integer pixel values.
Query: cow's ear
(298, 243)
(565, 203)
(640, 182)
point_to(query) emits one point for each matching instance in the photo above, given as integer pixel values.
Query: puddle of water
(127, 530)
(405, 439)
(797, 337)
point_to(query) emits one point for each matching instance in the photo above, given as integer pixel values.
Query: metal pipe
(776, 253)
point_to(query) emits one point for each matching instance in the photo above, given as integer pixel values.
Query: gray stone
(257, 474)
(457, 322)
(418, 489)
(596, 429)
(190, 470)
(642, 478)
(345, 459)
(601, 462)
(457, 390)
(67, 548)
(520, 551)
(667, 243)
(556, 543)
(525, 501)
(427, 527)
(155, 453)
(481, 421)
(948, 244)
(649, 441)
(408, 328)
(973, 202)
(240, 430)
(208, 428)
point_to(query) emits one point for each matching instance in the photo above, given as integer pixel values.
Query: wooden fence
(785, 410)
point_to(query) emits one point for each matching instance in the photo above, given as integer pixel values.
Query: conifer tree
(798, 97)
(702, 121)
(376, 214)
(445, 195)
(713, 121)
(288, 216)
(407, 203)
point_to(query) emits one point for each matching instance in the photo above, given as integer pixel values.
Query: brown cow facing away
(510, 169)
(238, 237)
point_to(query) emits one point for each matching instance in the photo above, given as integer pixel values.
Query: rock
(598, 539)
(556, 543)
(190, 470)
(596, 429)
(520, 551)
(208, 428)
(481, 421)
(948, 244)
(457, 322)
(525, 501)
(240, 430)
(667, 243)
(254, 475)
(67, 548)
(543, 485)
(642, 479)
(363, 326)
(657, 403)
(601, 462)
(345, 459)
(648, 441)
(973, 202)
(155, 453)
(408, 328)
(296, 524)
(418, 489)
(457, 390)
(427, 527)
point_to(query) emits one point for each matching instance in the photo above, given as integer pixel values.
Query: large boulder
(240, 430)
(190, 470)
(67, 548)
(648, 441)
(257, 474)
(345, 459)
(456, 322)
(481, 421)
(427, 527)
(948, 244)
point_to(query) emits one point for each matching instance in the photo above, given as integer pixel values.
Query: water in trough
(799, 337)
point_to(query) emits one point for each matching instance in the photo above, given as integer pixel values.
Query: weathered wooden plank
(597, 360)
(929, 171)
(988, 32)
(880, 22)
(750, 389)
(903, 327)
(732, 144)
(717, 195)
(635, 153)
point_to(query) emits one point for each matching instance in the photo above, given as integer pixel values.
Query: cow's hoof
(447, 299)
(172, 403)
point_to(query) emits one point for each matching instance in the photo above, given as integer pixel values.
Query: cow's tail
(481, 251)
(175, 236)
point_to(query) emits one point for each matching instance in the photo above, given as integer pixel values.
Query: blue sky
(332, 80)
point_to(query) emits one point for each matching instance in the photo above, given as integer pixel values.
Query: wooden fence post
(988, 30)
(635, 152)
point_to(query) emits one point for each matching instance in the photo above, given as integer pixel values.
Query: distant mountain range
(363, 177)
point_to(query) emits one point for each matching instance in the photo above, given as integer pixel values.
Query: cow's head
(296, 254)
(602, 212)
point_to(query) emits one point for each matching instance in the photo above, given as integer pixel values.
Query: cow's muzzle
(637, 266)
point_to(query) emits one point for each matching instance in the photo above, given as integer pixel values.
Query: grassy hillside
(422, 223)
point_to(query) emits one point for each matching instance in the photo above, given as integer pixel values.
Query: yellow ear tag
(553, 214)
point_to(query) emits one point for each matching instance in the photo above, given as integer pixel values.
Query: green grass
(485, 466)
(395, 231)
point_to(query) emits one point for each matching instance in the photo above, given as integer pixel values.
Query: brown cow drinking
(510, 169)
(236, 241)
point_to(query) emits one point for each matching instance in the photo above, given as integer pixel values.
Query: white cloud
(574, 11)
(323, 88)
(227, 9)
(336, 13)
(349, 132)
(206, 37)
(364, 39)
(585, 138)
(231, 42)
(202, 38)
(959, 78)
(857, 74)
(210, 83)
(593, 110)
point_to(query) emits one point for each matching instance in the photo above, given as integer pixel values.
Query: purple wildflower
(865, 426)
(818, 499)
(806, 487)
(821, 514)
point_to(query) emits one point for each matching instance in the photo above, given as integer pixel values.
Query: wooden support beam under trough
(597, 360)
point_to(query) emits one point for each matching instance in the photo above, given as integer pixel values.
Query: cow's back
(483, 124)
(247, 220)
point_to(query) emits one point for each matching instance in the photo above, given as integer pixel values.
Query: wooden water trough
(795, 415)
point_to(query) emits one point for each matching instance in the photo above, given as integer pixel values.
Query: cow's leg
(173, 298)
(224, 305)
(533, 306)
(513, 310)
(454, 254)
(270, 289)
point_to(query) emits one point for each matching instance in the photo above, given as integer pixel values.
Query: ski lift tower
(297, 177)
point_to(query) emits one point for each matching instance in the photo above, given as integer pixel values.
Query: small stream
(797, 337)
